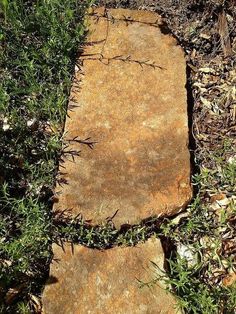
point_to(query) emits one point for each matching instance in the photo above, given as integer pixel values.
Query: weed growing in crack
(75, 230)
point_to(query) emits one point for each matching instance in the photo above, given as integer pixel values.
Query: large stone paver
(140, 165)
(103, 282)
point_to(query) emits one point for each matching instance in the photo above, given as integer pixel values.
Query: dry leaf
(12, 293)
(229, 280)
(36, 304)
(206, 70)
(205, 36)
(217, 197)
(224, 34)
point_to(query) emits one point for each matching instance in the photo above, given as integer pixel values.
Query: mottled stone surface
(89, 281)
(140, 165)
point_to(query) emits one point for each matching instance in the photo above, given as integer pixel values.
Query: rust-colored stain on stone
(88, 281)
(137, 115)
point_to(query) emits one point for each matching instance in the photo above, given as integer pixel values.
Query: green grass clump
(39, 40)
(196, 296)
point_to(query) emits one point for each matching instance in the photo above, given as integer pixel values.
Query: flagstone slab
(89, 281)
(136, 114)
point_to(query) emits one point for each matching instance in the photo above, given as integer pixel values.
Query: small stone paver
(137, 115)
(89, 281)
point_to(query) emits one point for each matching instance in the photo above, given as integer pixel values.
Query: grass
(39, 40)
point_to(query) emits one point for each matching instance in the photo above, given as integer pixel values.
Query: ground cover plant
(39, 42)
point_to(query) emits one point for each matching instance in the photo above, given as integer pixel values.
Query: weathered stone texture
(103, 282)
(140, 165)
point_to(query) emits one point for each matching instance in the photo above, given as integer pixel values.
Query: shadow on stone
(51, 280)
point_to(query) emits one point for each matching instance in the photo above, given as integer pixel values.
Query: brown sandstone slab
(90, 281)
(140, 165)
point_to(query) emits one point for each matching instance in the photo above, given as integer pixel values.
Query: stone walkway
(132, 104)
